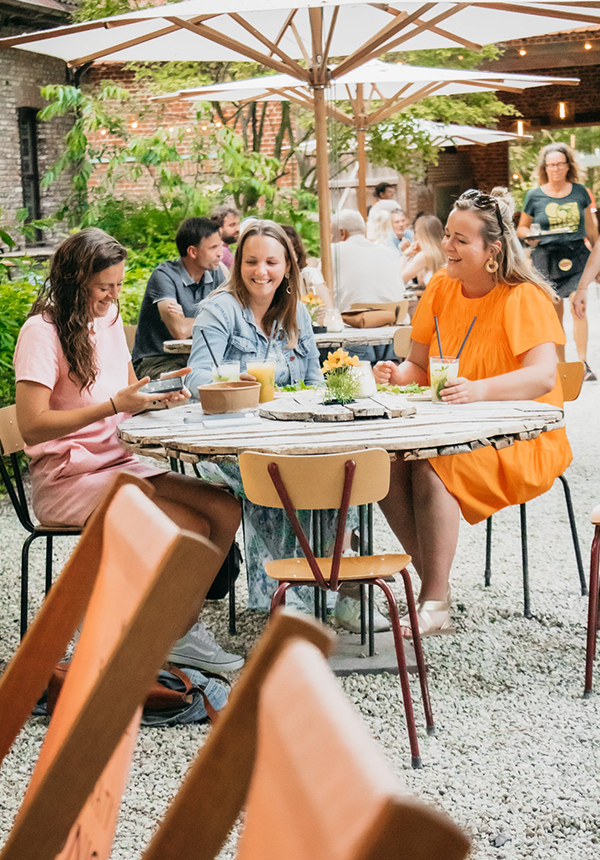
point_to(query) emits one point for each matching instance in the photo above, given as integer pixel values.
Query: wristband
(112, 403)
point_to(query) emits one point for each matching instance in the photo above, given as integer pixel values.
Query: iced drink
(263, 372)
(441, 370)
(227, 371)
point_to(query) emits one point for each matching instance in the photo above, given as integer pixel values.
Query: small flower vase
(341, 386)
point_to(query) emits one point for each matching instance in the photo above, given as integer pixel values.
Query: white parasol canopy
(375, 91)
(278, 33)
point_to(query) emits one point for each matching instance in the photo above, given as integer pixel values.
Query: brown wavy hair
(64, 299)
(573, 171)
(284, 305)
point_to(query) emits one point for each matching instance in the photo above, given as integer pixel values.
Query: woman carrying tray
(510, 355)
(563, 207)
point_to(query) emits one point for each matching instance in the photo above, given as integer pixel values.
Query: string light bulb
(515, 176)
(562, 110)
(189, 130)
(587, 47)
(520, 128)
(102, 131)
(522, 52)
(134, 124)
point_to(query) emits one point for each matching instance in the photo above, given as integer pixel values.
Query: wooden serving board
(308, 406)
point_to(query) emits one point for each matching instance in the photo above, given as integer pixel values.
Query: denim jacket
(234, 336)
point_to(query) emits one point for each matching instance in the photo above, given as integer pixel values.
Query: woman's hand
(182, 394)
(247, 377)
(131, 400)
(462, 390)
(384, 372)
(579, 303)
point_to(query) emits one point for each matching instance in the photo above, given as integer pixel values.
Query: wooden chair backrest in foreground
(137, 578)
(320, 789)
(571, 375)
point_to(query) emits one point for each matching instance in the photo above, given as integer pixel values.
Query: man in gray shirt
(172, 295)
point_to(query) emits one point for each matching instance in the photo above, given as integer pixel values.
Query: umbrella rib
(389, 108)
(301, 44)
(334, 18)
(427, 25)
(272, 46)
(234, 45)
(545, 12)
(25, 38)
(138, 40)
(473, 46)
(371, 46)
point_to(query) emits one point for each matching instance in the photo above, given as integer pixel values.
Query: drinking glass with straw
(264, 370)
(444, 368)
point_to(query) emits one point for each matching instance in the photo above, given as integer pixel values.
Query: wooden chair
(400, 308)
(571, 376)
(130, 331)
(11, 445)
(330, 481)
(313, 782)
(593, 606)
(402, 341)
(137, 578)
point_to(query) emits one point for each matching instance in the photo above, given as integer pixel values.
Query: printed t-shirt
(552, 213)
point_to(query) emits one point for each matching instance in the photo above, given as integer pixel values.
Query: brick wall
(489, 164)
(539, 105)
(175, 117)
(21, 76)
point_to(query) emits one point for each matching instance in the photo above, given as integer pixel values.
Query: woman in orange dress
(510, 355)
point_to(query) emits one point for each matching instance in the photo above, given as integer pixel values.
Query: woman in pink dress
(75, 384)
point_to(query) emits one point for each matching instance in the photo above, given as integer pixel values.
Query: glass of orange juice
(264, 372)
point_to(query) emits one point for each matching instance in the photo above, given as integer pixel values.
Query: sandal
(589, 375)
(429, 625)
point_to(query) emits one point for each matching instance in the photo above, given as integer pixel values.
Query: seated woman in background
(311, 278)
(510, 355)
(261, 293)
(425, 256)
(75, 384)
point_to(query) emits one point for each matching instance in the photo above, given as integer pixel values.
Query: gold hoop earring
(285, 280)
(491, 266)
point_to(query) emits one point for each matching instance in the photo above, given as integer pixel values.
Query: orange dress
(510, 321)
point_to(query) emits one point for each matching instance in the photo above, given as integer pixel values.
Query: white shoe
(347, 615)
(199, 649)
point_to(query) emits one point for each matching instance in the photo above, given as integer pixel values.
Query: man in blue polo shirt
(172, 295)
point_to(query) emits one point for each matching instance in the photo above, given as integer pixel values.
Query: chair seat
(354, 567)
(72, 530)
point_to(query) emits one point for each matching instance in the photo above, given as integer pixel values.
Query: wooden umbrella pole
(323, 185)
(362, 171)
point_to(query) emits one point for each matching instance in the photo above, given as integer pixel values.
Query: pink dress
(69, 475)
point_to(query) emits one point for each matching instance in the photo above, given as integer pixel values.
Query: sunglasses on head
(483, 201)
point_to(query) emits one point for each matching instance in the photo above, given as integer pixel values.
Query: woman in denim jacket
(262, 292)
(263, 289)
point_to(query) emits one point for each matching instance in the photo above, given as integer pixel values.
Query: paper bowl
(221, 397)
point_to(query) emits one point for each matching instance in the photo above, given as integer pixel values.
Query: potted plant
(341, 381)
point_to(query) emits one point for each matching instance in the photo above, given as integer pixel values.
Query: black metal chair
(11, 445)
(571, 376)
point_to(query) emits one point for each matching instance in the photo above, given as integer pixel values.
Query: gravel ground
(516, 761)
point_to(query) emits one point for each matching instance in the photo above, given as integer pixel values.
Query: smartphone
(162, 386)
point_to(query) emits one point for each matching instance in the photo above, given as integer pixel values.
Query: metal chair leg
(525, 563)
(363, 616)
(371, 621)
(593, 609)
(403, 674)
(25, 583)
(487, 576)
(48, 563)
(574, 535)
(278, 598)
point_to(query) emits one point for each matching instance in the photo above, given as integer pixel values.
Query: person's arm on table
(413, 369)
(536, 377)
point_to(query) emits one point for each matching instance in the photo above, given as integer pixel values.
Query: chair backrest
(315, 482)
(148, 579)
(11, 441)
(130, 331)
(402, 341)
(320, 789)
(571, 375)
(400, 308)
(203, 818)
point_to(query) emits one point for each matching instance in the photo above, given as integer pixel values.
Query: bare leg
(198, 507)
(560, 350)
(398, 509)
(580, 333)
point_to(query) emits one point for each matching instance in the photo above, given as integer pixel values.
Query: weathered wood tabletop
(425, 431)
(326, 340)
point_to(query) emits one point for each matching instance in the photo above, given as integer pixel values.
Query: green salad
(411, 388)
(297, 386)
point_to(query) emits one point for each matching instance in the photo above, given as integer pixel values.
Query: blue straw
(466, 336)
(439, 340)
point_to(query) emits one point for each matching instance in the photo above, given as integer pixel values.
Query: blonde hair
(379, 223)
(573, 173)
(513, 267)
(431, 233)
(284, 305)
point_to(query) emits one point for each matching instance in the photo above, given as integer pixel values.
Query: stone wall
(21, 76)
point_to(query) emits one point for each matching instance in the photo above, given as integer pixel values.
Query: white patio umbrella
(278, 33)
(375, 91)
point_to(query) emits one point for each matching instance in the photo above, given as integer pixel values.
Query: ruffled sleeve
(530, 319)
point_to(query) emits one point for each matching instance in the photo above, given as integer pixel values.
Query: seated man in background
(172, 295)
(366, 272)
(228, 220)
(402, 236)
